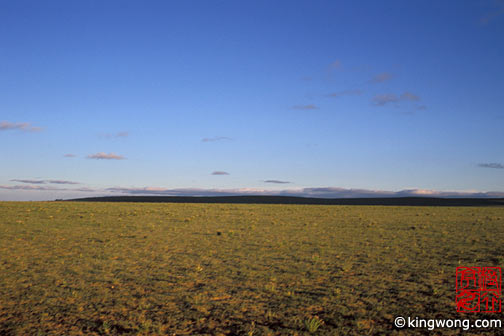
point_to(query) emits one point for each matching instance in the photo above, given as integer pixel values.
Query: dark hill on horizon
(392, 201)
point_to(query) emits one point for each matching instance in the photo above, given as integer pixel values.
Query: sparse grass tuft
(313, 323)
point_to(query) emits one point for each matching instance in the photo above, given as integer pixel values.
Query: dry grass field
(221, 269)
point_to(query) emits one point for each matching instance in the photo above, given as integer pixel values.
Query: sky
(306, 98)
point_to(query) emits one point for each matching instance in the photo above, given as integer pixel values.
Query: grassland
(220, 269)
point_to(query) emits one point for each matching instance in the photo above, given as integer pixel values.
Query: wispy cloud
(45, 181)
(410, 96)
(338, 94)
(220, 173)
(26, 127)
(335, 65)
(122, 134)
(86, 190)
(217, 138)
(61, 182)
(45, 188)
(69, 155)
(382, 77)
(321, 192)
(305, 107)
(384, 99)
(29, 187)
(276, 181)
(491, 165)
(29, 181)
(497, 12)
(105, 156)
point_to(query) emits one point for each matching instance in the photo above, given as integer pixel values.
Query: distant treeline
(393, 201)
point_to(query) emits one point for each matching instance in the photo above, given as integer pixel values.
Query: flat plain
(236, 269)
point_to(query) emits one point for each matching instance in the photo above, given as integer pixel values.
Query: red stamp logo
(478, 289)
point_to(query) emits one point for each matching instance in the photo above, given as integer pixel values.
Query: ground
(236, 269)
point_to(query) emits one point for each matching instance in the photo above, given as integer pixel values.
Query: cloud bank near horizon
(316, 192)
(321, 192)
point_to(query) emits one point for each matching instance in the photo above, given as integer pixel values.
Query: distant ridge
(392, 201)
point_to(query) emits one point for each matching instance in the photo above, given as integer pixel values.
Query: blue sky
(334, 98)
